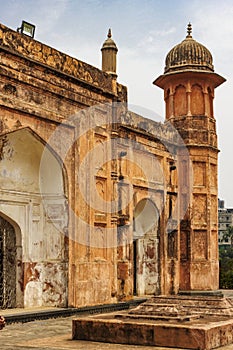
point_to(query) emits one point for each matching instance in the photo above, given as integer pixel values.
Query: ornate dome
(189, 55)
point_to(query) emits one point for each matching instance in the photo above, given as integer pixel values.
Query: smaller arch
(146, 217)
(180, 101)
(100, 154)
(145, 250)
(15, 226)
(197, 100)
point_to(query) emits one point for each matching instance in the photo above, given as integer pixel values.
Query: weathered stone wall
(148, 261)
(41, 88)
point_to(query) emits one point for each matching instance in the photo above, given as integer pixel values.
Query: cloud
(45, 14)
(156, 41)
(213, 23)
(48, 14)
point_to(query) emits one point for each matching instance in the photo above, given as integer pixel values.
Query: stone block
(200, 335)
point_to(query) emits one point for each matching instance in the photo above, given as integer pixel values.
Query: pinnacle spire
(189, 30)
(109, 33)
(109, 52)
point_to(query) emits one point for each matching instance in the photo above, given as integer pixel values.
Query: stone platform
(188, 322)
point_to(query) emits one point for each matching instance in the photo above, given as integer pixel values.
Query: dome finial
(109, 33)
(189, 30)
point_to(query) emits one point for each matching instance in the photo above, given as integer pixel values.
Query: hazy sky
(144, 32)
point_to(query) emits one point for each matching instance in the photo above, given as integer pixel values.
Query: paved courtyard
(55, 334)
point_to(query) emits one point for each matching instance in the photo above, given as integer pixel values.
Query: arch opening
(180, 101)
(146, 248)
(33, 196)
(8, 260)
(197, 100)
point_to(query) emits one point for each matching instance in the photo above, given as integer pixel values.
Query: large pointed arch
(40, 212)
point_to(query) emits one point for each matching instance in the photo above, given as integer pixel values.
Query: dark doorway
(7, 265)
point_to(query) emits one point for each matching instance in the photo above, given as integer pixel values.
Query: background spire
(109, 53)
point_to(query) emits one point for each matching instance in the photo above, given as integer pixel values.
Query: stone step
(185, 305)
(159, 317)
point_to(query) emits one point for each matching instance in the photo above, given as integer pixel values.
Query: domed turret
(189, 55)
(189, 82)
(109, 52)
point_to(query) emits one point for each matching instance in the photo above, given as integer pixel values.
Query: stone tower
(188, 82)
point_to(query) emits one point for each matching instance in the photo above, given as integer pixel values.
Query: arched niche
(180, 101)
(197, 100)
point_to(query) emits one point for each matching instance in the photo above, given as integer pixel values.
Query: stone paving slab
(55, 334)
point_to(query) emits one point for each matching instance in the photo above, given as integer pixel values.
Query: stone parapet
(45, 55)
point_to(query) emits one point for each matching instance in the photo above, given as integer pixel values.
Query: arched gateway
(34, 263)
